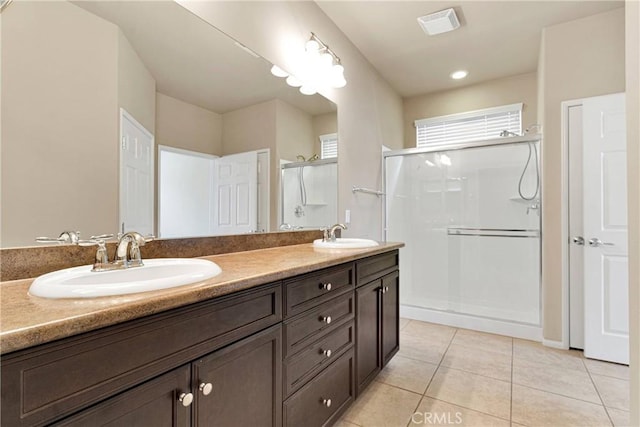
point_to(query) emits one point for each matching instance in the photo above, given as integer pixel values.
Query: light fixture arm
(324, 47)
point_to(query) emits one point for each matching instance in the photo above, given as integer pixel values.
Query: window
(469, 126)
(329, 146)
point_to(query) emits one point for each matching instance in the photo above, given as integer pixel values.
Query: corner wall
(579, 59)
(369, 110)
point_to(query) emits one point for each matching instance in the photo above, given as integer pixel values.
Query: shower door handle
(578, 240)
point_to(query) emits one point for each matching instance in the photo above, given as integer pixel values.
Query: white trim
(564, 218)
(125, 114)
(555, 344)
(170, 149)
(459, 320)
(268, 216)
(474, 113)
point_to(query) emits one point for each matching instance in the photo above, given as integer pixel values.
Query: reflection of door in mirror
(204, 195)
(136, 176)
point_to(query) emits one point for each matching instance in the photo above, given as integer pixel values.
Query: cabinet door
(241, 385)
(154, 403)
(390, 321)
(368, 333)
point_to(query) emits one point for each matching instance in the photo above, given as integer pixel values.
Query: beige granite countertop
(26, 321)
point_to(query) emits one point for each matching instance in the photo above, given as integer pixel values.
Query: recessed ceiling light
(460, 74)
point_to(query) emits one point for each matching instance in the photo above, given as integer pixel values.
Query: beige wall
(294, 132)
(324, 124)
(493, 93)
(136, 85)
(369, 110)
(59, 108)
(183, 125)
(632, 47)
(582, 58)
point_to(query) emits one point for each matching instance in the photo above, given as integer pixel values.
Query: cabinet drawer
(301, 367)
(322, 400)
(376, 266)
(308, 327)
(312, 289)
(50, 381)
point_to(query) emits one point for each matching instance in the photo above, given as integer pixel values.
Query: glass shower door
(470, 221)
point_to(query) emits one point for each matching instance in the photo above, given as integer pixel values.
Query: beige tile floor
(449, 376)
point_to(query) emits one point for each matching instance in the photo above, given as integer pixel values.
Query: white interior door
(605, 229)
(235, 183)
(185, 213)
(136, 176)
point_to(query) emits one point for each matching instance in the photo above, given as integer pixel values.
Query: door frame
(564, 212)
(125, 114)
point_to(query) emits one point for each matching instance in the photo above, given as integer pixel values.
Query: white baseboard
(555, 344)
(500, 327)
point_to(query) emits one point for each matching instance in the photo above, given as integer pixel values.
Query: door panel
(236, 183)
(605, 229)
(368, 333)
(390, 317)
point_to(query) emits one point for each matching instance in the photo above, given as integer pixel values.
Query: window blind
(470, 126)
(329, 146)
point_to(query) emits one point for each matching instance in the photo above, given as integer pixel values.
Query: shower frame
(526, 331)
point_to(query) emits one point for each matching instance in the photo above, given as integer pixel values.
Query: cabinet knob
(205, 388)
(325, 286)
(384, 289)
(326, 319)
(186, 399)
(326, 402)
(327, 353)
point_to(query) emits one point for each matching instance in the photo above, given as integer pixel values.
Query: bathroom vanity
(284, 336)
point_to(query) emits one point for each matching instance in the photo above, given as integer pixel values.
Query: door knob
(578, 240)
(595, 242)
(186, 399)
(205, 388)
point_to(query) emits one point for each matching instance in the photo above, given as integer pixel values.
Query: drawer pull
(186, 399)
(327, 353)
(205, 388)
(326, 402)
(326, 319)
(325, 286)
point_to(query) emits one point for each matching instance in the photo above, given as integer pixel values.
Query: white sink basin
(345, 243)
(162, 273)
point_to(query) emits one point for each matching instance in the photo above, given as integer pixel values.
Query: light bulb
(337, 76)
(293, 81)
(326, 62)
(278, 72)
(312, 46)
(460, 74)
(307, 90)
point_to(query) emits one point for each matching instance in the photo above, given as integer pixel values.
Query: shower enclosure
(469, 215)
(309, 194)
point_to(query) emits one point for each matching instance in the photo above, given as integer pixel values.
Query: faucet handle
(102, 237)
(149, 238)
(65, 237)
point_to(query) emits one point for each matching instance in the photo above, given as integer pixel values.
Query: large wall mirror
(139, 115)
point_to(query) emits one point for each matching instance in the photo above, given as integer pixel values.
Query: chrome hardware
(332, 231)
(101, 261)
(186, 399)
(71, 237)
(595, 242)
(326, 319)
(325, 286)
(327, 353)
(578, 240)
(325, 234)
(384, 289)
(326, 402)
(128, 249)
(205, 388)
(355, 189)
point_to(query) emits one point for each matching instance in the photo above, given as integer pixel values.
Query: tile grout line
(511, 393)
(606, 411)
(558, 394)
(470, 409)
(424, 394)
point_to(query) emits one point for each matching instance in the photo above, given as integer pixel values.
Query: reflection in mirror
(75, 73)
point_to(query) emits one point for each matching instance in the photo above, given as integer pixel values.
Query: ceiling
(195, 62)
(496, 38)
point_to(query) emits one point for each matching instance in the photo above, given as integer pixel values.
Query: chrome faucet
(65, 237)
(329, 234)
(128, 249)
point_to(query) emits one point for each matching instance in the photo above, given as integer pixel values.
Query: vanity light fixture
(460, 74)
(321, 68)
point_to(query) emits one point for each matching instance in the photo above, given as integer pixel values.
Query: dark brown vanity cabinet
(377, 315)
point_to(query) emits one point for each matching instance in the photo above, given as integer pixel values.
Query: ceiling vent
(439, 22)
